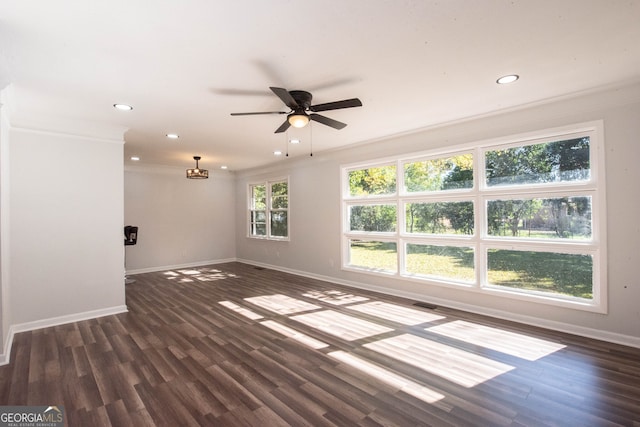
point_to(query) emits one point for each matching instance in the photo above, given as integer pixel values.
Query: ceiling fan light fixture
(197, 173)
(298, 120)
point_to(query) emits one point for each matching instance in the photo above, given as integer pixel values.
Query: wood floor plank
(304, 405)
(338, 410)
(160, 411)
(142, 418)
(118, 414)
(196, 399)
(291, 350)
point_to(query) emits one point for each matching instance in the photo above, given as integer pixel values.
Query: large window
(269, 210)
(521, 217)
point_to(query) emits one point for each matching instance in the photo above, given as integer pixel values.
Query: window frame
(480, 194)
(268, 184)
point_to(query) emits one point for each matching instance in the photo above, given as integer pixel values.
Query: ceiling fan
(299, 101)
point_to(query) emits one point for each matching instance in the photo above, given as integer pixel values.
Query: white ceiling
(186, 65)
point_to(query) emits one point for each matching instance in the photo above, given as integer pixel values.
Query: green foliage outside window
(373, 181)
(447, 173)
(558, 161)
(440, 218)
(373, 218)
(564, 218)
(259, 197)
(279, 195)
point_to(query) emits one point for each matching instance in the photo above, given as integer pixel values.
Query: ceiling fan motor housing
(302, 98)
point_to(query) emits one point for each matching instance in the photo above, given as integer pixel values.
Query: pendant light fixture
(197, 173)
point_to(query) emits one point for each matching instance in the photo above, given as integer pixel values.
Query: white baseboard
(582, 331)
(177, 266)
(54, 321)
(4, 357)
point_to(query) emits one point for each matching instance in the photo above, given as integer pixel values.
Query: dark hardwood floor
(236, 345)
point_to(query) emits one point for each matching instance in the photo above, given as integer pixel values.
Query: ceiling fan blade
(286, 97)
(327, 121)
(254, 114)
(283, 127)
(347, 103)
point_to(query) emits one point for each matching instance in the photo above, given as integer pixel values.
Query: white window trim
(267, 183)
(479, 194)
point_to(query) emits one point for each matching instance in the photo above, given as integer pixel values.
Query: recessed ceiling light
(294, 141)
(123, 107)
(135, 158)
(223, 167)
(507, 79)
(173, 136)
(277, 153)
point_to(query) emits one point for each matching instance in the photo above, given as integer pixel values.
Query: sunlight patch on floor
(511, 343)
(171, 273)
(395, 313)
(189, 272)
(334, 297)
(292, 333)
(340, 325)
(459, 366)
(240, 310)
(202, 275)
(390, 378)
(207, 274)
(282, 304)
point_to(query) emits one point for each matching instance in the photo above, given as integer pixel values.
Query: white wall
(314, 248)
(66, 218)
(5, 307)
(181, 221)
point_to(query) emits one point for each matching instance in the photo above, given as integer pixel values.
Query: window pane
(279, 195)
(556, 273)
(258, 197)
(279, 223)
(258, 216)
(450, 262)
(259, 229)
(373, 218)
(258, 223)
(439, 218)
(539, 163)
(372, 181)
(374, 255)
(560, 218)
(448, 173)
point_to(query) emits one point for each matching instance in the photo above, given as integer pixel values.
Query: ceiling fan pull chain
(311, 140)
(286, 142)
